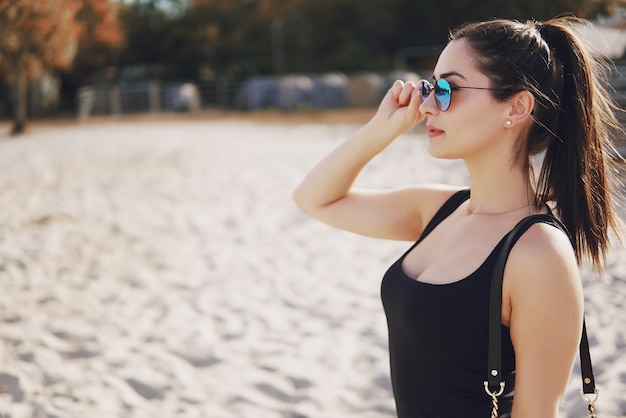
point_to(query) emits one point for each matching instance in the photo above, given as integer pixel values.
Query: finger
(414, 105)
(396, 89)
(405, 95)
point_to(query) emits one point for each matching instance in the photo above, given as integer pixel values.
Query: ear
(521, 107)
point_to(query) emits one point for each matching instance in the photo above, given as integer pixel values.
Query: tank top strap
(446, 210)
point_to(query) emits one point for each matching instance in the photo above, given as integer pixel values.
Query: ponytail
(577, 169)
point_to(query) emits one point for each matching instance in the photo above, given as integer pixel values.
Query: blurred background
(156, 267)
(78, 58)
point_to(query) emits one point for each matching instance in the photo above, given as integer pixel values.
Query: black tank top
(438, 339)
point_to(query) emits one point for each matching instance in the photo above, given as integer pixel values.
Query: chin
(441, 153)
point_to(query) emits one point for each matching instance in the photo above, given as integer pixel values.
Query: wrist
(379, 131)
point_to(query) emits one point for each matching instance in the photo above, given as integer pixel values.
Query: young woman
(502, 93)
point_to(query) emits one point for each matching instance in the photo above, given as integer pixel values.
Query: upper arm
(546, 318)
(398, 214)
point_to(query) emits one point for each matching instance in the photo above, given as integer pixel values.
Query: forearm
(331, 179)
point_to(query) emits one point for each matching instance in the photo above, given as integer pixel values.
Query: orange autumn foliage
(47, 33)
(40, 33)
(36, 35)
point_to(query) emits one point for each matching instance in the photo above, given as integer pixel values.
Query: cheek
(467, 133)
(479, 135)
(478, 122)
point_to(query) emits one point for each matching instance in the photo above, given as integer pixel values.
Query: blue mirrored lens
(427, 88)
(443, 94)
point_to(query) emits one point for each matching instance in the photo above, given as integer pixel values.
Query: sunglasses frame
(443, 89)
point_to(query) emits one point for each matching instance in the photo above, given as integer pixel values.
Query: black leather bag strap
(494, 383)
(589, 382)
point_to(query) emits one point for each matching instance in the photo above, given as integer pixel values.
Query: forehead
(460, 58)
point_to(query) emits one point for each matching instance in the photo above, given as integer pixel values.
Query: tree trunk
(20, 98)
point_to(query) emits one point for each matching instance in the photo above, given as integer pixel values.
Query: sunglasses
(443, 92)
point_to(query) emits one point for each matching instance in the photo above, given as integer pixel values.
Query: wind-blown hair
(573, 120)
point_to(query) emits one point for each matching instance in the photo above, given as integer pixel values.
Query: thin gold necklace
(469, 212)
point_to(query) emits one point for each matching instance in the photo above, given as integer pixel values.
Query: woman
(502, 93)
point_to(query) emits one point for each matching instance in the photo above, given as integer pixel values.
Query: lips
(433, 131)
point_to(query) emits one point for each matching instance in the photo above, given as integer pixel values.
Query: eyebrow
(449, 74)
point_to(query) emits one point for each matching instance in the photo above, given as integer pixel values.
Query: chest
(454, 249)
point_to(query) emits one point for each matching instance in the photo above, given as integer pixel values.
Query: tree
(145, 27)
(237, 36)
(266, 36)
(98, 46)
(36, 35)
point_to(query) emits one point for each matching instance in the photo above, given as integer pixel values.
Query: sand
(158, 268)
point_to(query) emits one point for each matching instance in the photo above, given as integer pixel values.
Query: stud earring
(508, 123)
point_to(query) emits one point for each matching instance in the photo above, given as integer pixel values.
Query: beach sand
(158, 268)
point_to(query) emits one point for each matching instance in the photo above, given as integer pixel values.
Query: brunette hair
(573, 120)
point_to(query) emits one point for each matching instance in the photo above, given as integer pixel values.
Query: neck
(499, 191)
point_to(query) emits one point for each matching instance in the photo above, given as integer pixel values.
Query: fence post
(154, 91)
(115, 98)
(86, 96)
(221, 93)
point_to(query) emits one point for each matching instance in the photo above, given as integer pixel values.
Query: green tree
(144, 27)
(244, 37)
(238, 35)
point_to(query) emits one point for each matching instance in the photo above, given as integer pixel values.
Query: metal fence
(292, 92)
(152, 96)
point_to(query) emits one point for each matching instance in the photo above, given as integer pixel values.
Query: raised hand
(399, 109)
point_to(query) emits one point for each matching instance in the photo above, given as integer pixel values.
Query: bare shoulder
(431, 197)
(424, 201)
(544, 246)
(542, 257)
